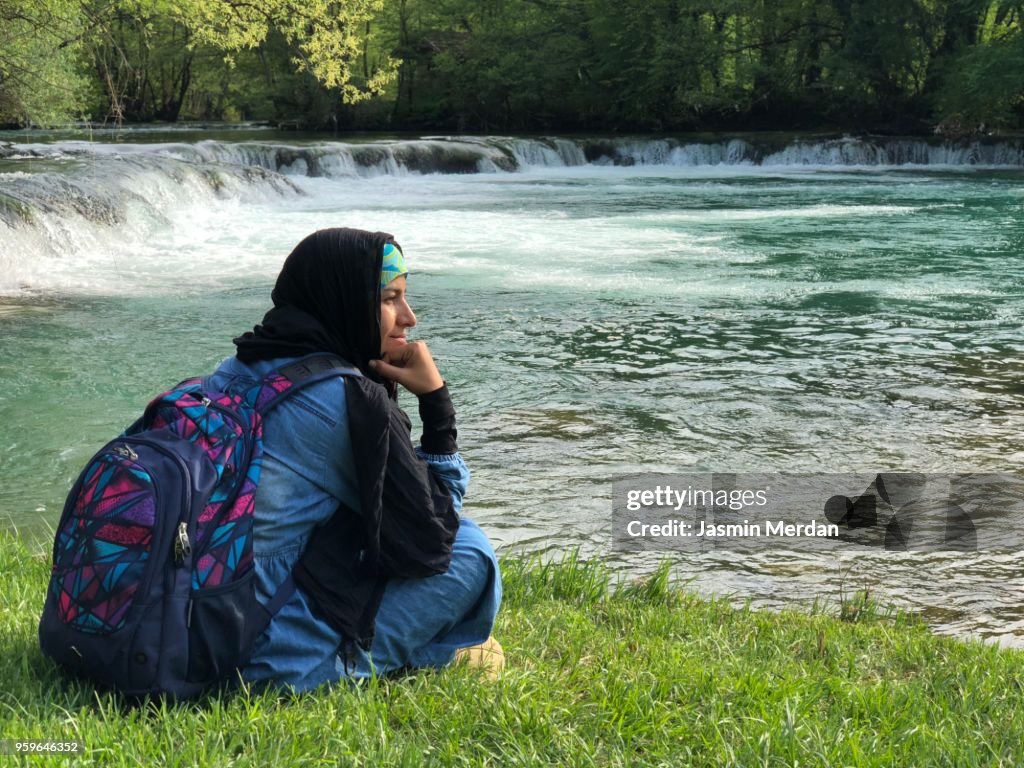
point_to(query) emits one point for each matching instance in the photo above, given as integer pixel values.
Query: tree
(143, 51)
(143, 60)
(40, 43)
(982, 84)
(327, 36)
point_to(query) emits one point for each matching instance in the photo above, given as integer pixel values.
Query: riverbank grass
(599, 673)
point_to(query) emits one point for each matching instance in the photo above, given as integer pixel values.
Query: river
(599, 307)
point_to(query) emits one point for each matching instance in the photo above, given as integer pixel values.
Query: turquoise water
(593, 321)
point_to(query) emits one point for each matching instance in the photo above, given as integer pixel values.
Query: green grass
(598, 674)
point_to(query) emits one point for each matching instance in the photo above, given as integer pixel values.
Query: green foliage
(686, 64)
(520, 65)
(665, 65)
(40, 80)
(257, 84)
(144, 61)
(984, 84)
(327, 36)
(148, 54)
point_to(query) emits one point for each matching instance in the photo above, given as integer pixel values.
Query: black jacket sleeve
(438, 416)
(418, 520)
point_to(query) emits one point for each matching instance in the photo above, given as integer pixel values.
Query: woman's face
(396, 316)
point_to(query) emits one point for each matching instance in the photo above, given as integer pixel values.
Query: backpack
(153, 588)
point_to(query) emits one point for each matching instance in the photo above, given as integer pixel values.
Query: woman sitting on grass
(397, 578)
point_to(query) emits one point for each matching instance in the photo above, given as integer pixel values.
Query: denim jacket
(308, 469)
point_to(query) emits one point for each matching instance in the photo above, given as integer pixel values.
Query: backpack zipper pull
(126, 452)
(182, 547)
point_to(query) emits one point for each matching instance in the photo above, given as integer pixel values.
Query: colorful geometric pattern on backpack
(156, 541)
(103, 550)
(274, 385)
(218, 423)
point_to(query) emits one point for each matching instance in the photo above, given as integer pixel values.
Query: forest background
(887, 66)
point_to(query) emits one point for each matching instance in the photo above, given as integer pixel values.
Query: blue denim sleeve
(451, 471)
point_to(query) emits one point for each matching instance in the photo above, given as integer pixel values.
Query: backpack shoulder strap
(274, 388)
(280, 383)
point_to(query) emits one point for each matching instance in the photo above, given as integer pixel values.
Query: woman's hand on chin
(412, 366)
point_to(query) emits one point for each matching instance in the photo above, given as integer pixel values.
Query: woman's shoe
(488, 657)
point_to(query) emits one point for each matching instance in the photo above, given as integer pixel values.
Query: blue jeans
(421, 623)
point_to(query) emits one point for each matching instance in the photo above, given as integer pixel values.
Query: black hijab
(327, 299)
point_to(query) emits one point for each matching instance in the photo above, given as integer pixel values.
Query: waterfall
(74, 196)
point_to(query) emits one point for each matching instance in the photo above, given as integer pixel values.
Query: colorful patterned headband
(393, 265)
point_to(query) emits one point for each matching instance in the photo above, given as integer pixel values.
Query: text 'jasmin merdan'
(744, 530)
(667, 496)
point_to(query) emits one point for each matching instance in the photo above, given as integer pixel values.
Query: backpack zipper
(182, 543)
(126, 452)
(182, 547)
